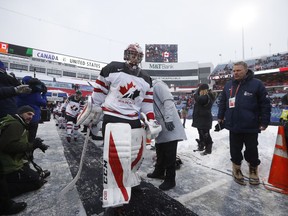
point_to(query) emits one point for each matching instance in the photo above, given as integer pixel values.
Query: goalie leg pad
(138, 141)
(96, 128)
(116, 164)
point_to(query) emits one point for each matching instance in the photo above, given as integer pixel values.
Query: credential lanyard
(231, 90)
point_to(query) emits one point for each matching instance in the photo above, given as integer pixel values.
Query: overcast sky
(205, 30)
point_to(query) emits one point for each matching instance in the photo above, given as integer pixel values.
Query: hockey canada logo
(129, 91)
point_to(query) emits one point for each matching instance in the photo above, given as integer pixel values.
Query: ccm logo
(105, 172)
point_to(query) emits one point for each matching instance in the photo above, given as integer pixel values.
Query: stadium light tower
(269, 48)
(242, 16)
(220, 55)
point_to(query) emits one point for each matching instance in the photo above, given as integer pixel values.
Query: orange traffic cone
(278, 176)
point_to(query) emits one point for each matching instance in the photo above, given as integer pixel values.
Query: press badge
(232, 102)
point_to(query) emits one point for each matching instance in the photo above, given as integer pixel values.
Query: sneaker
(167, 185)
(13, 208)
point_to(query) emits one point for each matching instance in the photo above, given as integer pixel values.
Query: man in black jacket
(246, 109)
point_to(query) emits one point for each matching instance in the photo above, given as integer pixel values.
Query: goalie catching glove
(153, 128)
(90, 114)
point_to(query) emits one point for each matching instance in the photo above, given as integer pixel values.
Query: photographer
(14, 145)
(36, 99)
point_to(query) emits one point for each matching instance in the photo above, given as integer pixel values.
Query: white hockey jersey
(72, 106)
(124, 92)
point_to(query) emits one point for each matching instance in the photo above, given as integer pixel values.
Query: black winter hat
(203, 86)
(24, 109)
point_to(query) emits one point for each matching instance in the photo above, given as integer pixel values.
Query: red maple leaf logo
(124, 89)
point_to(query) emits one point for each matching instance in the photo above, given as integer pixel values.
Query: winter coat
(7, 103)
(6, 92)
(165, 111)
(202, 116)
(36, 100)
(13, 144)
(252, 105)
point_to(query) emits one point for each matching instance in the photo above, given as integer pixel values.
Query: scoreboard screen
(19, 50)
(161, 53)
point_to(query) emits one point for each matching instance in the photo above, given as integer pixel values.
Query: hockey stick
(70, 185)
(91, 84)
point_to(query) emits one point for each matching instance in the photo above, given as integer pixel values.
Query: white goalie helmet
(133, 54)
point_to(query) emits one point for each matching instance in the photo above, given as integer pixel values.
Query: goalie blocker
(123, 154)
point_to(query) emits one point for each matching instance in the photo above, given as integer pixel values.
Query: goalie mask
(133, 55)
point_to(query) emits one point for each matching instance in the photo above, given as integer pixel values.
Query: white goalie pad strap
(138, 146)
(96, 128)
(90, 113)
(116, 164)
(153, 128)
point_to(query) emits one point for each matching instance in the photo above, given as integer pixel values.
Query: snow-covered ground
(204, 184)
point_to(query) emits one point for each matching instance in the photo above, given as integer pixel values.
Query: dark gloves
(219, 126)
(169, 125)
(38, 143)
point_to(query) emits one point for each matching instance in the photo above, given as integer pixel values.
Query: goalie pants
(166, 159)
(112, 119)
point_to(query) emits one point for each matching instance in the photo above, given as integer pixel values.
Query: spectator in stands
(202, 117)
(246, 109)
(36, 100)
(9, 87)
(167, 140)
(14, 146)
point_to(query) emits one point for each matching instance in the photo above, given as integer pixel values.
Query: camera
(37, 86)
